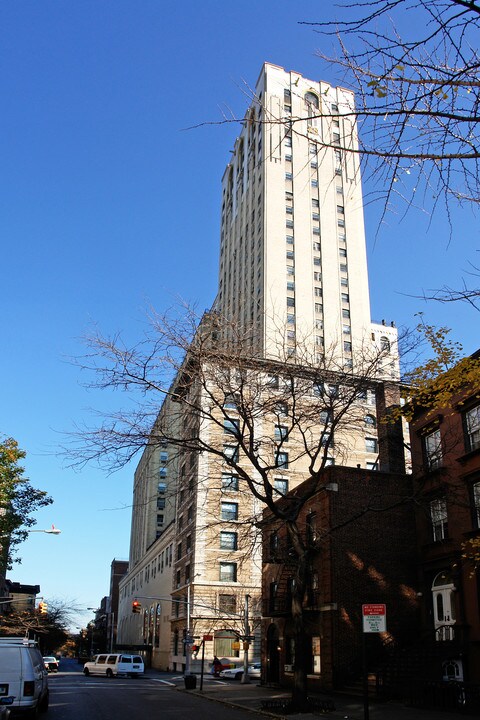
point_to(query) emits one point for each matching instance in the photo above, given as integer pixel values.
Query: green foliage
(441, 379)
(18, 500)
(471, 553)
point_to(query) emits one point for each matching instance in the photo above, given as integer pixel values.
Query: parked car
(254, 671)
(23, 677)
(51, 663)
(114, 664)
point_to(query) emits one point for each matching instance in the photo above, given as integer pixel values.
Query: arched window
(312, 102)
(312, 99)
(384, 344)
(371, 421)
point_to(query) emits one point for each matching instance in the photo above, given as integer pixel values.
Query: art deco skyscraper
(292, 254)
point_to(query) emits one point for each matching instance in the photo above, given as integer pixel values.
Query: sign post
(374, 617)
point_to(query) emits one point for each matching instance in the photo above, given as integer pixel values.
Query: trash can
(190, 682)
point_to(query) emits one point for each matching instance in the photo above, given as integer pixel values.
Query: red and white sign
(374, 618)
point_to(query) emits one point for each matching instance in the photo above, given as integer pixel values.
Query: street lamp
(50, 531)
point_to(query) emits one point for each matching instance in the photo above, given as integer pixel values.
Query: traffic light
(136, 606)
(43, 608)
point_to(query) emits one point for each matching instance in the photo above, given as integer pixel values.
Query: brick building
(446, 465)
(362, 534)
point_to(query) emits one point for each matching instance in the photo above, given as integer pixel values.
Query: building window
(316, 668)
(290, 285)
(229, 511)
(228, 572)
(281, 433)
(289, 239)
(230, 453)
(315, 203)
(316, 246)
(314, 183)
(227, 603)
(432, 444)
(228, 540)
(384, 344)
(290, 255)
(347, 346)
(163, 472)
(316, 230)
(438, 518)
(289, 223)
(290, 270)
(162, 487)
(370, 421)
(318, 307)
(345, 298)
(224, 640)
(280, 486)
(229, 482)
(371, 445)
(315, 216)
(281, 460)
(343, 269)
(290, 302)
(160, 503)
(231, 427)
(317, 261)
(272, 381)
(318, 292)
(476, 504)
(472, 427)
(288, 176)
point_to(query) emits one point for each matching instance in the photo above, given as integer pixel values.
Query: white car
(51, 663)
(236, 673)
(114, 664)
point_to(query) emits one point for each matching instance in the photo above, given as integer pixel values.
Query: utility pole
(188, 639)
(246, 641)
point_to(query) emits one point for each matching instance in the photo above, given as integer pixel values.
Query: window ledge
(471, 453)
(447, 542)
(472, 533)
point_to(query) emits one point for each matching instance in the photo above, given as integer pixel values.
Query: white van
(23, 675)
(111, 665)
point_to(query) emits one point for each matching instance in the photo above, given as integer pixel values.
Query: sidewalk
(250, 697)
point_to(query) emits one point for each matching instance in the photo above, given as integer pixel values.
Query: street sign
(374, 618)
(208, 638)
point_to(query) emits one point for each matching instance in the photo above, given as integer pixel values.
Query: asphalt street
(76, 697)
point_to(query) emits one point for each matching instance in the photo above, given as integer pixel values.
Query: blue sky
(108, 205)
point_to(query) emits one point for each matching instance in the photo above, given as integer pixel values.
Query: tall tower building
(292, 253)
(293, 275)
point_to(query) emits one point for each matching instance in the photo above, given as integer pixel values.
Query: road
(75, 697)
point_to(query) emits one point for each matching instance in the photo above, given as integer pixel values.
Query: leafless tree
(414, 67)
(202, 389)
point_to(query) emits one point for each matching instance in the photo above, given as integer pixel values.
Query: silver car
(254, 671)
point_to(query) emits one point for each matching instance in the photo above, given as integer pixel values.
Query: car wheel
(86, 671)
(109, 673)
(238, 676)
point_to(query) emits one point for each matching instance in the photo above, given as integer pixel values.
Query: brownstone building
(361, 528)
(446, 465)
